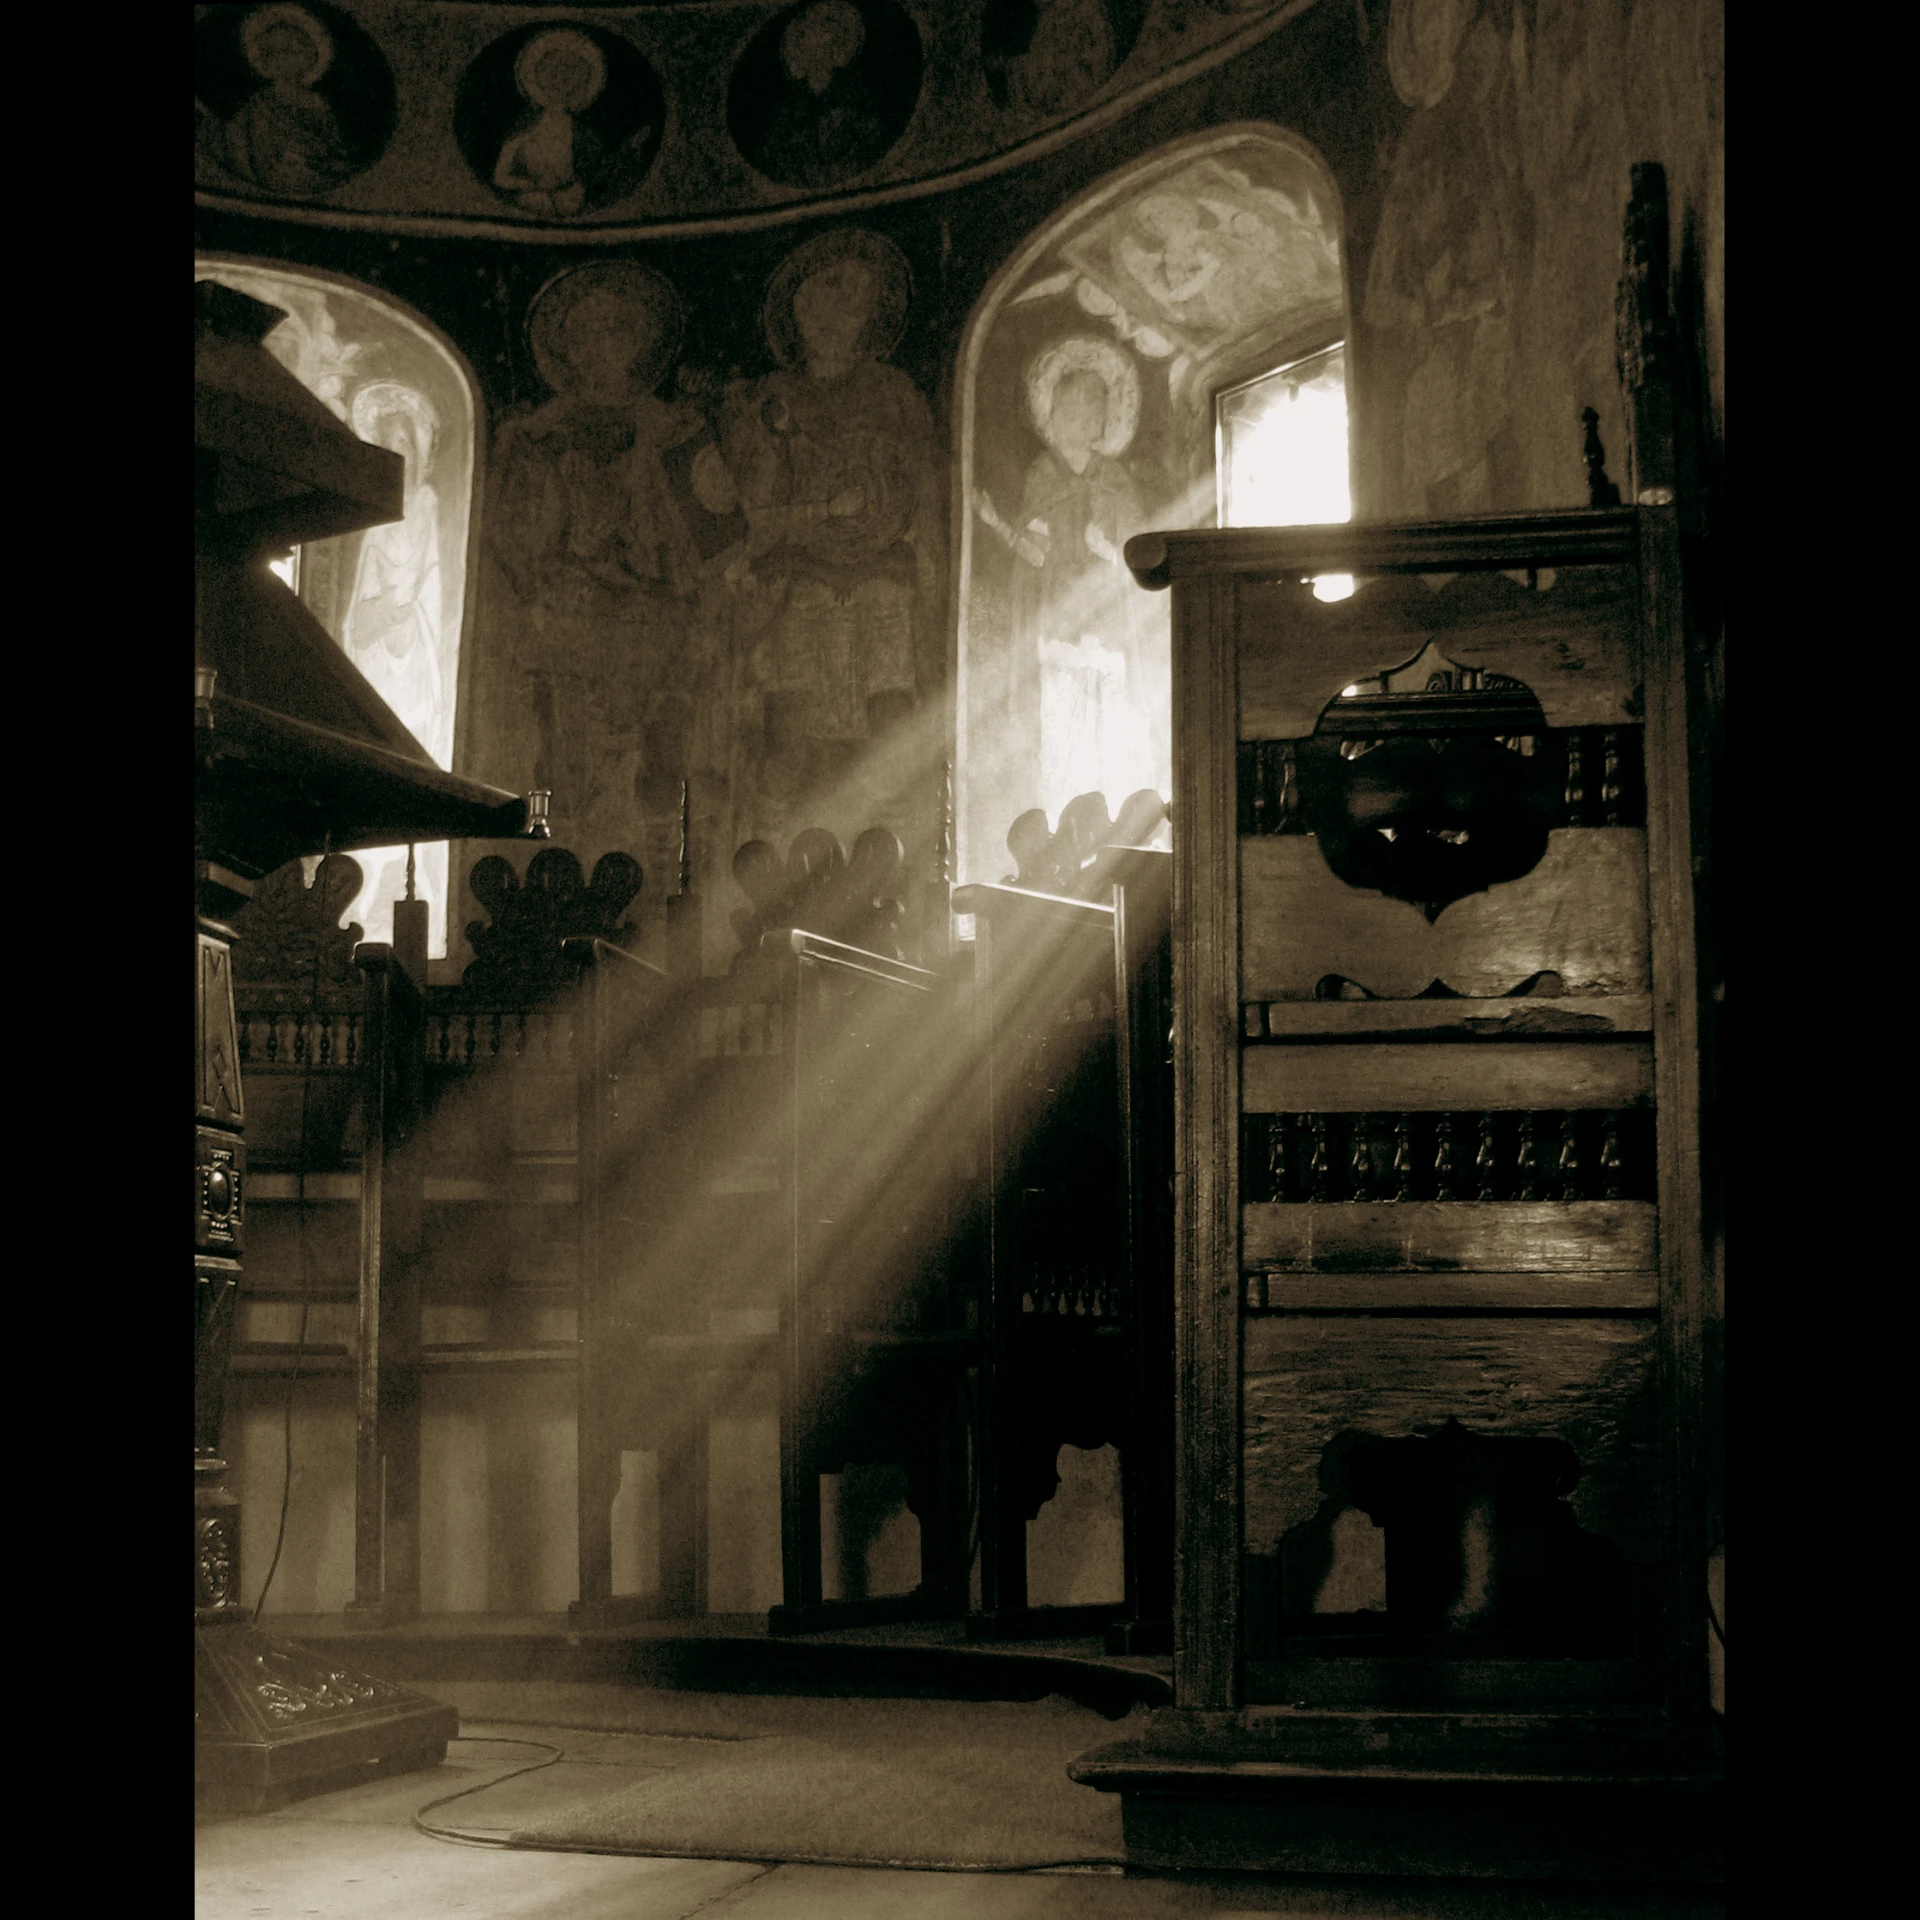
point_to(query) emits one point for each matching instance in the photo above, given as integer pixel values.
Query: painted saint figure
(561, 74)
(393, 624)
(1071, 52)
(1073, 610)
(284, 136)
(585, 533)
(833, 455)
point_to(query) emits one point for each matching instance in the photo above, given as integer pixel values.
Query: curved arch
(399, 599)
(1211, 259)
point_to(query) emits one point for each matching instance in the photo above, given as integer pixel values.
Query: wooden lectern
(1443, 1312)
(293, 752)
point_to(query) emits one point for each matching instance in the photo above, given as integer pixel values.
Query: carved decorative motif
(289, 933)
(292, 1685)
(819, 888)
(520, 950)
(216, 1559)
(1066, 860)
(220, 1090)
(1583, 1154)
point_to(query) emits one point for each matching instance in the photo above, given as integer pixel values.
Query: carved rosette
(216, 1560)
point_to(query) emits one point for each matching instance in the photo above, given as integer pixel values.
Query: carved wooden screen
(1438, 1230)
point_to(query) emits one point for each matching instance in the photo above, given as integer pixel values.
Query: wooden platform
(733, 1653)
(1601, 1796)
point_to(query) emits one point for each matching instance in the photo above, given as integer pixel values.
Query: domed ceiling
(622, 122)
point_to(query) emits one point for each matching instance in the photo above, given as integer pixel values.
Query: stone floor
(358, 1854)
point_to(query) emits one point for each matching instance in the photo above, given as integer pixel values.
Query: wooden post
(1206, 1156)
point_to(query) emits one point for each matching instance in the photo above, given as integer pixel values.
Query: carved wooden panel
(218, 1095)
(1581, 914)
(1590, 1383)
(1363, 1076)
(1602, 1236)
(1571, 640)
(219, 1173)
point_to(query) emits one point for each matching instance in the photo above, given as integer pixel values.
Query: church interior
(957, 975)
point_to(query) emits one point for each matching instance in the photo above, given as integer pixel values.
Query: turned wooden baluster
(1279, 1166)
(1610, 776)
(1360, 1158)
(1527, 1162)
(1403, 1156)
(1611, 1166)
(1289, 786)
(1483, 1159)
(1570, 1181)
(1320, 1166)
(1446, 1168)
(1576, 793)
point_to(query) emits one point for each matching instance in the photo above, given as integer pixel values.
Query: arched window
(1164, 352)
(395, 597)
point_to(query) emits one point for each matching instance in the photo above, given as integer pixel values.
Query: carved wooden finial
(1601, 492)
(943, 848)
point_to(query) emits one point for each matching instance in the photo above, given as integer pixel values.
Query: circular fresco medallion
(825, 89)
(292, 101)
(560, 121)
(605, 332)
(1044, 57)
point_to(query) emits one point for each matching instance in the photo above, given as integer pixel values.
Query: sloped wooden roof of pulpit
(294, 748)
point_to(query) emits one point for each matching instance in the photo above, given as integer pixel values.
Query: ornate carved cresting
(289, 934)
(1065, 860)
(854, 899)
(518, 950)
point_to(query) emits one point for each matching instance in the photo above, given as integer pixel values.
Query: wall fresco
(617, 122)
(393, 596)
(1086, 414)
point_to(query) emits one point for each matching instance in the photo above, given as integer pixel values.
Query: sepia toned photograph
(958, 970)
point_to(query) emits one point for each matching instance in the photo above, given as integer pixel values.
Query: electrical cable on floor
(300, 1230)
(453, 1835)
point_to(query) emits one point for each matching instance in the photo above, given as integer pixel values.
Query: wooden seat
(1073, 1009)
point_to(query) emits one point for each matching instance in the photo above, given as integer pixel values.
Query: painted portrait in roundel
(291, 100)
(1044, 57)
(825, 89)
(560, 121)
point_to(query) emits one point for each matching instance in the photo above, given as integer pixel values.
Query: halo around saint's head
(567, 40)
(385, 398)
(1084, 354)
(654, 310)
(262, 21)
(892, 291)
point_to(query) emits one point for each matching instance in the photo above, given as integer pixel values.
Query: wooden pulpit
(294, 752)
(1442, 1310)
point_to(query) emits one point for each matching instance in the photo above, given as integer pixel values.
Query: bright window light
(1282, 447)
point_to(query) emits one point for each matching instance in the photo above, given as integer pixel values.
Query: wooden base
(1458, 1795)
(273, 1721)
(1138, 1637)
(1045, 1623)
(830, 1616)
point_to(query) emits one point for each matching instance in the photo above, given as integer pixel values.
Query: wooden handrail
(817, 948)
